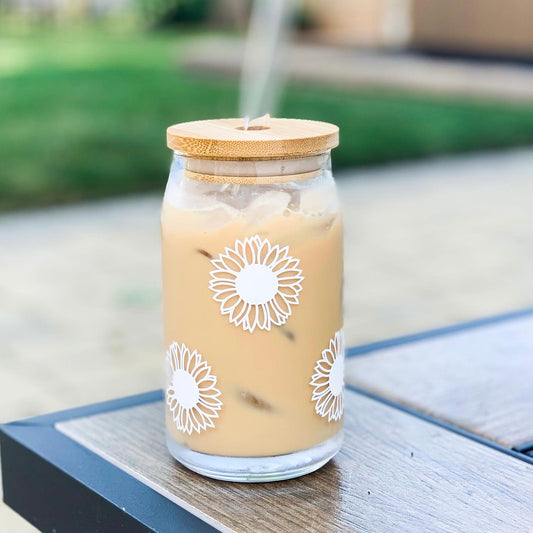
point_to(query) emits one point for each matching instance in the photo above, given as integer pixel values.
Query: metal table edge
(57, 484)
(437, 332)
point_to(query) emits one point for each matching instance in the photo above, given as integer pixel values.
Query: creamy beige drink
(263, 375)
(252, 291)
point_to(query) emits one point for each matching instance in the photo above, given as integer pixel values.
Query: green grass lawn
(83, 115)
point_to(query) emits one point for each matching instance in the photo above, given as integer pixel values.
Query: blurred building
(361, 22)
(482, 27)
(492, 27)
(487, 27)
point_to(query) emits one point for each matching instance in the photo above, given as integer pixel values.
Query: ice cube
(214, 214)
(200, 199)
(268, 205)
(318, 200)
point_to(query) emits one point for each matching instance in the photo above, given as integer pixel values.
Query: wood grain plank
(395, 473)
(479, 379)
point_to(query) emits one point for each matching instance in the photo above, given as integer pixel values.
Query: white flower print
(256, 283)
(192, 396)
(328, 380)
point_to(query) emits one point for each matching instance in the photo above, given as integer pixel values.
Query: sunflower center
(185, 389)
(256, 284)
(336, 377)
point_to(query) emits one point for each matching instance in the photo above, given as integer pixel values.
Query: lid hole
(253, 128)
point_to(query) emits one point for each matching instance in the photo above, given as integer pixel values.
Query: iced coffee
(252, 287)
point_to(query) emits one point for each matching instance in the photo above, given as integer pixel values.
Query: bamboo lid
(272, 138)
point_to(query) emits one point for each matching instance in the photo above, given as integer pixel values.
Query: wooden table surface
(479, 379)
(395, 473)
(436, 439)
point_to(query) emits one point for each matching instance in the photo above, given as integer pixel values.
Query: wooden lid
(273, 138)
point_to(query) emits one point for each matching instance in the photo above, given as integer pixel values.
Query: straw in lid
(275, 138)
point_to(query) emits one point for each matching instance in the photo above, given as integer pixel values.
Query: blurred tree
(167, 13)
(305, 19)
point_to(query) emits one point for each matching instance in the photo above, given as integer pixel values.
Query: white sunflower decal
(256, 283)
(192, 396)
(328, 380)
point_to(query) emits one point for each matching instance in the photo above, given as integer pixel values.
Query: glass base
(257, 469)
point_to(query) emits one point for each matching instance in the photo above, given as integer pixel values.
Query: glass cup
(252, 288)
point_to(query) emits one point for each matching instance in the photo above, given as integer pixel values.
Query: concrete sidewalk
(360, 68)
(427, 244)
